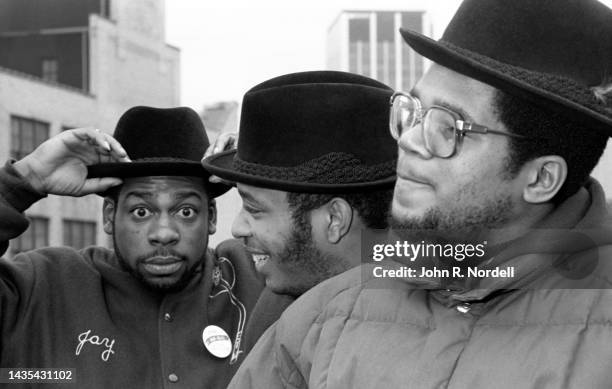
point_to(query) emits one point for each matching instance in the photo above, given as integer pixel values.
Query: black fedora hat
(160, 142)
(550, 52)
(313, 132)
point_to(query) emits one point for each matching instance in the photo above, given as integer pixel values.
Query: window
(385, 49)
(359, 45)
(105, 8)
(36, 236)
(26, 135)
(49, 69)
(412, 63)
(79, 233)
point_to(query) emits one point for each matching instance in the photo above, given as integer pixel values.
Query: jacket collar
(578, 224)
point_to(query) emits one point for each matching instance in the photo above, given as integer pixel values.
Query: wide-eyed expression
(160, 228)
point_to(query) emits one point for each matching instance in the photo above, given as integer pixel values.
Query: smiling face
(160, 228)
(472, 189)
(283, 249)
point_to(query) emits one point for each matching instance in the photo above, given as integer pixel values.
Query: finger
(232, 141)
(96, 185)
(209, 151)
(93, 137)
(87, 134)
(105, 144)
(218, 180)
(116, 150)
(225, 141)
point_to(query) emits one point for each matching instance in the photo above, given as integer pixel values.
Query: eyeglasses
(442, 129)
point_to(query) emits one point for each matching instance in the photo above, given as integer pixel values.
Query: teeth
(260, 258)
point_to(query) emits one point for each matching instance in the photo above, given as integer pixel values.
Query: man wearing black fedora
(315, 167)
(160, 308)
(496, 140)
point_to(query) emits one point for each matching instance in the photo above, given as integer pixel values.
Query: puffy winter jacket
(549, 326)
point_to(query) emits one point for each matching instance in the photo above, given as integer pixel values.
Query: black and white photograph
(342, 194)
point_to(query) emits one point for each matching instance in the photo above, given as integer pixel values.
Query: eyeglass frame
(460, 128)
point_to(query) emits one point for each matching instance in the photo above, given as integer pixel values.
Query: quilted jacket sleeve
(269, 365)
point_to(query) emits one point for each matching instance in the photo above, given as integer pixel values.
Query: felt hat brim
(508, 78)
(221, 165)
(157, 168)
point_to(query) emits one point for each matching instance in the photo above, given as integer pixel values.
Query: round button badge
(216, 341)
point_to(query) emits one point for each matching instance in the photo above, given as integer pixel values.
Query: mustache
(161, 252)
(249, 247)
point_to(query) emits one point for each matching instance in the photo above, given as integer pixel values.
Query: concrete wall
(127, 68)
(29, 97)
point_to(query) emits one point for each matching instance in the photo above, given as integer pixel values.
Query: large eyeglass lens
(404, 114)
(439, 130)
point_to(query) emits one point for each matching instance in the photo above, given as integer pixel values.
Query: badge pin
(216, 341)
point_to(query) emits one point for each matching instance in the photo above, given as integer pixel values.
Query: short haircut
(373, 207)
(557, 134)
(113, 193)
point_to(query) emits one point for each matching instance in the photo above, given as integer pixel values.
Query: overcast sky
(230, 46)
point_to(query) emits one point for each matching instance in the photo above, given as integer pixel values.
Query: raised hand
(59, 165)
(225, 141)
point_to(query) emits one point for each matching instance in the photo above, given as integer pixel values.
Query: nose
(412, 141)
(163, 231)
(240, 226)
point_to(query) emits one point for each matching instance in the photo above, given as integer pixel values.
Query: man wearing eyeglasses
(496, 141)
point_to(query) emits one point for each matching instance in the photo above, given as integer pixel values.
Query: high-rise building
(77, 63)
(369, 43)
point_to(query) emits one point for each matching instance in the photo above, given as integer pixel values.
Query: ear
(340, 219)
(212, 216)
(545, 177)
(108, 215)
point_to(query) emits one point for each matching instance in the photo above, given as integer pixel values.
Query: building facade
(77, 63)
(369, 43)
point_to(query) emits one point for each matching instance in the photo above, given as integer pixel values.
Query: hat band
(331, 168)
(164, 159)
(562, 86)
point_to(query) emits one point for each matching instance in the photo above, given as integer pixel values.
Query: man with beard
(496, 140)
(161, 308)
(315, 168)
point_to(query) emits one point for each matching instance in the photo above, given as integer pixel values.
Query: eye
(187, 212)
(250, 209)
(141, 212)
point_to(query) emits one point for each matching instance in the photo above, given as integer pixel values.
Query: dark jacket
(548, 327)
(63, 308)
(266, 312)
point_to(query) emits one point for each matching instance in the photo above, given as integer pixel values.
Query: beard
(457, 223)
(454, 226)
(160, 287)
(303, 257)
